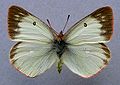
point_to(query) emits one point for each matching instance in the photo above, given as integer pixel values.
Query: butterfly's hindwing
(32, 59)
(86, 60)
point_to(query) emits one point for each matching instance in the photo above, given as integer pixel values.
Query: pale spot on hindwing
(31, 51)
(87, 52)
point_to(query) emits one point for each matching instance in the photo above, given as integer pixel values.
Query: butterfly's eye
(85, 24)
(34, 23)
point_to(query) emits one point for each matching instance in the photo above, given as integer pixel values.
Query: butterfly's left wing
(86, 60)
(94, 28)
(86, 54)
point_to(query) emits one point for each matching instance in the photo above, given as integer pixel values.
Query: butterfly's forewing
(32, 59)
(86, 60)
(86, 54)
(94, 28)
(32, 55)
(23, 26)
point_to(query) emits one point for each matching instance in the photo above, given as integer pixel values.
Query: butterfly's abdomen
(60, 47)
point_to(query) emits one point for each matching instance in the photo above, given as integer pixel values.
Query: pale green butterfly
(81, 48)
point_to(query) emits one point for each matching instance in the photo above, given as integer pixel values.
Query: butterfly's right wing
(23, 26)
(32, 59)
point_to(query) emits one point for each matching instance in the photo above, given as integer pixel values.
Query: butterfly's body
(82, 48)
(59, 45)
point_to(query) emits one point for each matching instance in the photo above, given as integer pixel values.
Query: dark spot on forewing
(34, 23)
(85, 24)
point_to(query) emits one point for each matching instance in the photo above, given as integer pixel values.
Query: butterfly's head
(60, 36)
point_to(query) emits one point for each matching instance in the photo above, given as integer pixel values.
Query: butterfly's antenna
(66, 23)
(49, 23)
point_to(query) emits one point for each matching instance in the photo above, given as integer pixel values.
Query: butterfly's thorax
(59, 44)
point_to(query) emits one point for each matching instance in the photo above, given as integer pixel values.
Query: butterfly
(82, 48)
